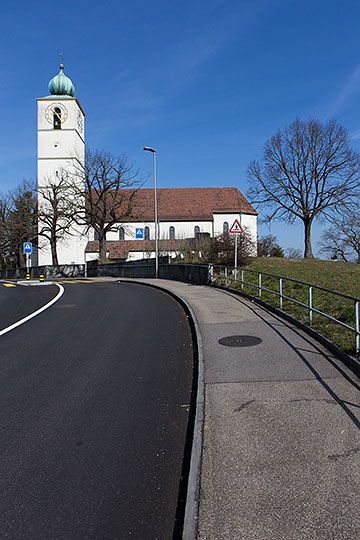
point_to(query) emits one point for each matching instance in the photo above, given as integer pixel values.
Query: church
(183, 213)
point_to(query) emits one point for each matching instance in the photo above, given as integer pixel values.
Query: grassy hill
(335, 276)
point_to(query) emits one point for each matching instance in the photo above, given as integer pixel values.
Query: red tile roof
(178, 204)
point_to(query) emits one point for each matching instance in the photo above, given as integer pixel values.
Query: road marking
(9, 285)
(80, 281)
(37, 312)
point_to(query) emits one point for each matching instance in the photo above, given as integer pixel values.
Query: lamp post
(148, 149)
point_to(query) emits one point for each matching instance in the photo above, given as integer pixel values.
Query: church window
(121, 233)
(196, 230)
(147, 233)
(57, 118)
(225, 227)
(172, 232)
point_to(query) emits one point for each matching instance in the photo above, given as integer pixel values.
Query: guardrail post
(280, 292)
(310, 306)
(259, 285)
(211, 271)
(242, 280)
(226, 275)
(357, 328)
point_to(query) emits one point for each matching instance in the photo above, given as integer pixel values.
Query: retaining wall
(60, 271)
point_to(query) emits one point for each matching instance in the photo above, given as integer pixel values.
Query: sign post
(236, 228)
(236, 257)
(28, 252)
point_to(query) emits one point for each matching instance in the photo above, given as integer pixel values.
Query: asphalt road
(93, 412)
(17, 302)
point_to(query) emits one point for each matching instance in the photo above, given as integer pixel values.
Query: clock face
(58, 110)
(80, 122)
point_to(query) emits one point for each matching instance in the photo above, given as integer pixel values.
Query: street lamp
(148, 149)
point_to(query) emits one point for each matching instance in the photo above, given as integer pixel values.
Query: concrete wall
(190, 273)
(49, 272)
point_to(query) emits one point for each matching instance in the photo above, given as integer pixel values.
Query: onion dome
(61, 85)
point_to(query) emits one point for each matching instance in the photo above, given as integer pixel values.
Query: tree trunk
(102, 248)
(54, 253)
(21, 258)
(308, 251)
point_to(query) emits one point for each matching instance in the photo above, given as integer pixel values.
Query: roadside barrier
(230, 275)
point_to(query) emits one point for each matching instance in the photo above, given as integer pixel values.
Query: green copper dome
(61, 85)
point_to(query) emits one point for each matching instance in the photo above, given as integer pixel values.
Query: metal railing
(229, 275)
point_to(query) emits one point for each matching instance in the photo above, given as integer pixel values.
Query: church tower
(61, 152)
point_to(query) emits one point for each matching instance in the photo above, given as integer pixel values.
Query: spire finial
(61, 85)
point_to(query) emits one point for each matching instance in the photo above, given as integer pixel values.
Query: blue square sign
(28, 247)
(139, 233)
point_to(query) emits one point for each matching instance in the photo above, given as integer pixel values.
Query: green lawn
(335, 276)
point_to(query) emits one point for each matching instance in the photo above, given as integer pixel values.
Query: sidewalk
(281, 439)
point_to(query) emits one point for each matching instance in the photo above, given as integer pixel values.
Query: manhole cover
(239, 341)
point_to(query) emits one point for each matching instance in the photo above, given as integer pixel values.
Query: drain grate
(240, 341)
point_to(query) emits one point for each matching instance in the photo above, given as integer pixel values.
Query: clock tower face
(56, 113)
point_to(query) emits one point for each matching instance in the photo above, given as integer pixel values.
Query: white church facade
(183, 213)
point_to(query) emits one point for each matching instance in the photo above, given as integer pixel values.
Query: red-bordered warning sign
(236, 227)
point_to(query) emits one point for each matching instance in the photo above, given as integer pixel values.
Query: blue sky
(205, 83)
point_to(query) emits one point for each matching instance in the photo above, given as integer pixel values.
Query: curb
(29, 283)
(188, 530)
(34, 283)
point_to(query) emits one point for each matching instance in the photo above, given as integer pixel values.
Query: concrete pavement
(281, 439)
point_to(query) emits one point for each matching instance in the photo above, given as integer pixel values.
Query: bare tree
(293, 253)
(4, 236)
(110, 185)
(194, 250)
(309, 171)
(342, 240)
(222, 249)
(267, 246)
(57, 210)
(20, 221)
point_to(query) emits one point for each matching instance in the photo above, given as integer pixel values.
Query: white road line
(37, 312)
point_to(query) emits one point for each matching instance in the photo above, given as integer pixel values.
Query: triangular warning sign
(236, 227)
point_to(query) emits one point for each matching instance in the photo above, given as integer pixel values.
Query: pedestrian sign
(140, 233)
(236, 227)
(28, 247)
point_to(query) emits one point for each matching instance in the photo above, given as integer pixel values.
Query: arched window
(96, 236)
(172, 232)
(147, 233)
(57, 118)
(121, 233)
(225, 227)
(196, 230)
